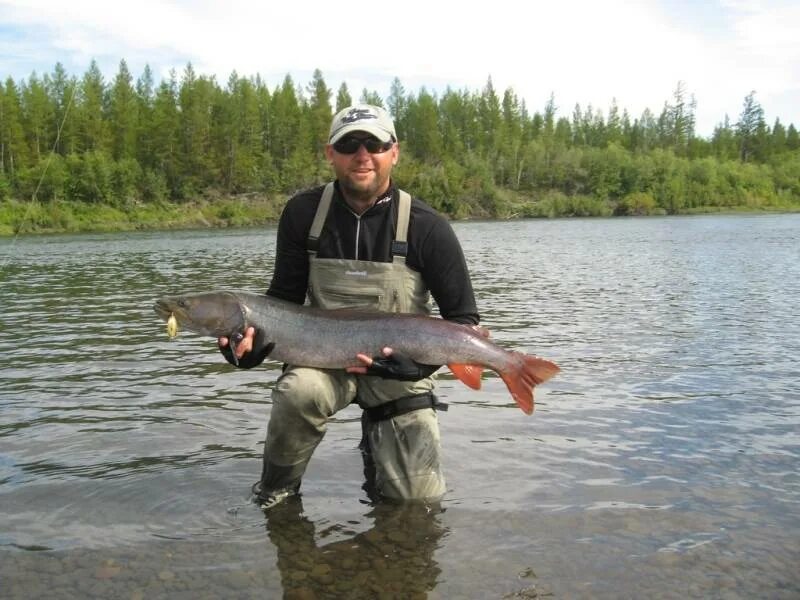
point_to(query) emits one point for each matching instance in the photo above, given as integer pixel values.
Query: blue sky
(581, 51)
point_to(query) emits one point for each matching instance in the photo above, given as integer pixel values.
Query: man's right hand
(242, 346)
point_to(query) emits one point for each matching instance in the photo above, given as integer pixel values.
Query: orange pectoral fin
(468, 374)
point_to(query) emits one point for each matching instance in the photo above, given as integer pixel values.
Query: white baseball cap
(362, 117)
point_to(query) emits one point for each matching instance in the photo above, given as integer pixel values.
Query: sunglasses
(350, 145)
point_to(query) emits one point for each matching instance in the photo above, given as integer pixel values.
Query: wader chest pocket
(352, 298)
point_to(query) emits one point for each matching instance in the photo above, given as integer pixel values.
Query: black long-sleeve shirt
(433, 249)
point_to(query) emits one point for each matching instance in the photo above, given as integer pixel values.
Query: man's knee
(310, 393)
(302, 402)
(407, 455)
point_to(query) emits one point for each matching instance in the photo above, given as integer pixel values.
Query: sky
(582, 52)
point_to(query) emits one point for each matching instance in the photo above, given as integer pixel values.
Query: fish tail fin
(525, 374)
(468, 374)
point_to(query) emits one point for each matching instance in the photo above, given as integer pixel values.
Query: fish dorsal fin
(468, 374)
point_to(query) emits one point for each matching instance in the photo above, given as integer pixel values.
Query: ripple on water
(662, 458)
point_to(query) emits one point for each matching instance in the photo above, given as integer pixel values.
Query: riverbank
(253, 210)
(78, 217)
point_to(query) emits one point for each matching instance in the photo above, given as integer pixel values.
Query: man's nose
(362, 152)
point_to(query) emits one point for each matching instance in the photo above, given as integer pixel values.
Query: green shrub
(637, 203)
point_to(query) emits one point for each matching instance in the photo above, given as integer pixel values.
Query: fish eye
(182, 303)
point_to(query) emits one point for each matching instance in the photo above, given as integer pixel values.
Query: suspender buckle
(399, 248)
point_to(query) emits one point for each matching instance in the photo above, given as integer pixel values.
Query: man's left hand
(390, 365)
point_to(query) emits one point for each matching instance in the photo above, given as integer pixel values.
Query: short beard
(359, 194)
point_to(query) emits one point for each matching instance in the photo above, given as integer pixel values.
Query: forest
(83, 153)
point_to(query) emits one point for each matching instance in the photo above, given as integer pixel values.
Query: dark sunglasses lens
(375, 146)
(350, 145)
(347, 145)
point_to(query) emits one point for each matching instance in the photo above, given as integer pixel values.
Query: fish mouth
(163, 309)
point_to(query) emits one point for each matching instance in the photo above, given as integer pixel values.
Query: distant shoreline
(33, 218)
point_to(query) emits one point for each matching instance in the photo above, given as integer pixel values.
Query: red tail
(524, 375)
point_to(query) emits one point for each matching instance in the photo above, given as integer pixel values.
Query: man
(360, 242)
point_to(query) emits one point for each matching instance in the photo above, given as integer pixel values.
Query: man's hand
(391, 366)
(242, 344)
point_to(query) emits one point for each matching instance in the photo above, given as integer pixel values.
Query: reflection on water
(390, 553)
(394, 558)
(660, 462)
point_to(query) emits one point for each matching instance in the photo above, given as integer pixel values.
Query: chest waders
(401, 443)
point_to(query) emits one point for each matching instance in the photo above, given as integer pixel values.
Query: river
(661, 462)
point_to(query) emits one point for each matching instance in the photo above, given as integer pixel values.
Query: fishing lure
(172, 326)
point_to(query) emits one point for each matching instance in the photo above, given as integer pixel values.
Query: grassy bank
(256, 209)
(73, 217)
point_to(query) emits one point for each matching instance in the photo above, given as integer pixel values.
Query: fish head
(208, 313)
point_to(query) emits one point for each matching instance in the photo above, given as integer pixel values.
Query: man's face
(362, 174)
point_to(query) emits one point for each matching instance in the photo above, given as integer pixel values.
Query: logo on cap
(357, 114)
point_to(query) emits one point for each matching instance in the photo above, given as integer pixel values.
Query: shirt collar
(383, 201)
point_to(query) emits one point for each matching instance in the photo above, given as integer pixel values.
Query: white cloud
(584, 52)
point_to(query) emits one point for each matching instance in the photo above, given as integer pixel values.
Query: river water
(662, 462)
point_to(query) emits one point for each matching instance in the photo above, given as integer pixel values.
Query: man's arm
(444, 270)
(290, 274)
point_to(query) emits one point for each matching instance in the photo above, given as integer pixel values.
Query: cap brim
(378, 132)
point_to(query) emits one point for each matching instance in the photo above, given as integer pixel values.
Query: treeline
(127, 142)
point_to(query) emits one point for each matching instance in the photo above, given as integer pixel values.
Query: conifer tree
(62, 90)
(371, 97)
(38, 116)
(398, 106)
(165, 134)
(423, 127)
(92, 125)
(145, 99)
(123, 114)
(14, 152)
(319, 104)
(750, 129)
(343, 98)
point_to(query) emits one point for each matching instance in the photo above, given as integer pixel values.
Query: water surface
(662, 462)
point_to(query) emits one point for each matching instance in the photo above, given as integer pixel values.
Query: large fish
(330, 339)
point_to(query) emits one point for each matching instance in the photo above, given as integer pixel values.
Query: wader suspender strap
(312, 244)
(399, 244)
